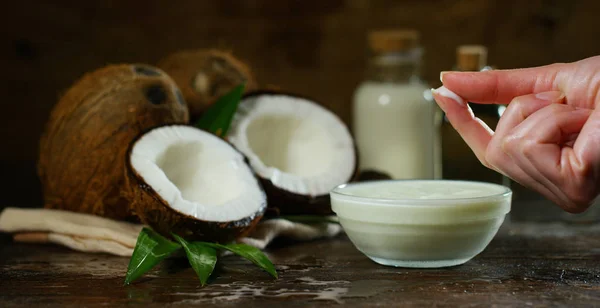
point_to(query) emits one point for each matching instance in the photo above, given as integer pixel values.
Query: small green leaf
(202, 257)
(251, 253)
(150, 249)
(311, 219)
(217, 118)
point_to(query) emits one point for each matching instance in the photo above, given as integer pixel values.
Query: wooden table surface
(525, 265)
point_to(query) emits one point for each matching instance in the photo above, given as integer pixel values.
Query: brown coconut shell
(155, 212)
(82, 151)
(283, 202)
(372, 175)
(204, 75)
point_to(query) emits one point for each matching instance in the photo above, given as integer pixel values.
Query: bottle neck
(490, 111)
(397, 67)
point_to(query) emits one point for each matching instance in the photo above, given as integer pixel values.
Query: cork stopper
(471, 57)
(393, 40)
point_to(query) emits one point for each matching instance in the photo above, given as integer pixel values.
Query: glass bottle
(458, 160)
(393, 114)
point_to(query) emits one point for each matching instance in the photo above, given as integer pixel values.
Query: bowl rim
(338, 192)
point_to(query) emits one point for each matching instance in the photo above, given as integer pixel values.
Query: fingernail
(443, 91)
(442, 76)
(550, 96)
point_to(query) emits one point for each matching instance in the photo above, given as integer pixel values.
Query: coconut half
(299, 150)
(190, 182)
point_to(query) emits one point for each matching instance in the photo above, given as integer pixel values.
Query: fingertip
(451, 77)
(446, 94)
(442, 75)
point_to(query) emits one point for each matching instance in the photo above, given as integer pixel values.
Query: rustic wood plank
(527, 264)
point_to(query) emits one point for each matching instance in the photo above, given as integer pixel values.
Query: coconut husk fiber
(82, 151)
(204, 75)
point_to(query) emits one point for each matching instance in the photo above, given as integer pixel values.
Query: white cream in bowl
(421, 223)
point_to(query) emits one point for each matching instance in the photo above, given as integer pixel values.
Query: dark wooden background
(315, 47)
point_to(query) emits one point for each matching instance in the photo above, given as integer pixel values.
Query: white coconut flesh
(197, 174)
(298, 145)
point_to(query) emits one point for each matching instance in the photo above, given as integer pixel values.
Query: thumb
(501, 86)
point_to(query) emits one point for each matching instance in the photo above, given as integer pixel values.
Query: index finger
(501, 86)
(474, 131)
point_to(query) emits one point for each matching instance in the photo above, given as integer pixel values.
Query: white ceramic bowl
(421, 223)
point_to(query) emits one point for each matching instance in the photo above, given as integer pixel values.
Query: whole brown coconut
(82, 151)
(204, 75)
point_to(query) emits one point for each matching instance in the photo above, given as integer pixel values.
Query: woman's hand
(548, 139)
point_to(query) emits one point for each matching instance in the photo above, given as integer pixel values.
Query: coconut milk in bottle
(395, 121)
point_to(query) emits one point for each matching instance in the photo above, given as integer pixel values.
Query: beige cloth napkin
(89, 233)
